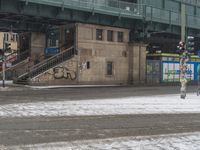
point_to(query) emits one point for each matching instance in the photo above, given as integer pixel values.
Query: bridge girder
(27, 16)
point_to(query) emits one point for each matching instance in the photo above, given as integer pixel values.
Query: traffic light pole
(183, 73)
(184, 58)
(3, 65)
(183, 22)
(3, 72)
(184, 55)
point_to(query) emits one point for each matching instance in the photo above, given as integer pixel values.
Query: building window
(7, 37)
(99, 34)
(109, 68)
(120, 36)
(88, 65)
(110, 35)
(13, 38)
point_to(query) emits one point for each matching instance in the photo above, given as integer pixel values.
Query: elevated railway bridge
(141, 15)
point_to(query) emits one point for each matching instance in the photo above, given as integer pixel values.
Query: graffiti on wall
(82, 66)
(63, 72)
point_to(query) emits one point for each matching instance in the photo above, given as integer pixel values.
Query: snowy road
(118, 106)
(65, 119)
(189, 141)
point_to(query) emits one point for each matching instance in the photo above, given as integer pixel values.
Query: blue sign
(52, 50)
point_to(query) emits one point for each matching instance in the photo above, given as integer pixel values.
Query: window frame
(98, 38)
(88, 66)
(109, 68)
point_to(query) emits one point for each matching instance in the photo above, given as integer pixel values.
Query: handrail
(51, 58)
(20, 57)
(48, 63)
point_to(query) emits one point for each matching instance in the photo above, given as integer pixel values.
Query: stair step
(23, 82)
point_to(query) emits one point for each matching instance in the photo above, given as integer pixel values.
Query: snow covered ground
(68, 86)
(187, 141)
(129, 105)
(6, 82)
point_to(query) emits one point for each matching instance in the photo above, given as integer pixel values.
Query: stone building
(104, 56)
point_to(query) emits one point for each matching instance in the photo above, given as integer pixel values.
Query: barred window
(109, 68)
(99, 34)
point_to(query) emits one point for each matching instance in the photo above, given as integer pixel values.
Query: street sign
(50, 51)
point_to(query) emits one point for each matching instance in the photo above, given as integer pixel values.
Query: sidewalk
(68, 86)
(10, 86)
(6, 82)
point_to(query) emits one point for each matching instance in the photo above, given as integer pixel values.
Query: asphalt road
(44, 130)
(17, 131)
(25, 95)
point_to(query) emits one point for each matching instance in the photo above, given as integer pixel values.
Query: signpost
(3, 64)
(3, 72)
(6, 47)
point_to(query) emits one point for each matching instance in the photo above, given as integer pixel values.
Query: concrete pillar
(130, 63)
(142, 63)
(183, 22)
(93, 33)
(62, 36)
(137, 63)
(114, 36)
(104, 35)
(38, 44)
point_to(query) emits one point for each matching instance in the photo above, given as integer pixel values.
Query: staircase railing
(20, 57)
(48, 64)
(16, 59)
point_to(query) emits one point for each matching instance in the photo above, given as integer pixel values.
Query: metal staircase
(45, 65)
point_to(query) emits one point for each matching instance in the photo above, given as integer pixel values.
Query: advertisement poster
(171, 71)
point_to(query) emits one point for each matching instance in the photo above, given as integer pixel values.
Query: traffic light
(196, 45)
(191, 44)
(181, 47)
(7, 47)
